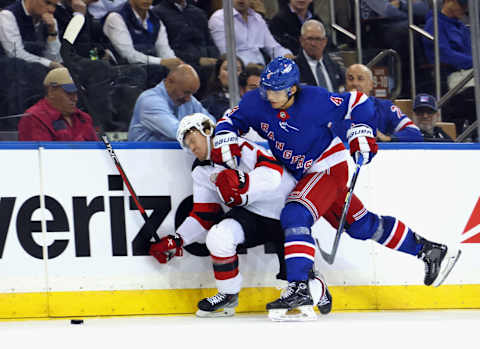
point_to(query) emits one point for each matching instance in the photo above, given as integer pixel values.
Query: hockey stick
(114, 157)
(330, 257)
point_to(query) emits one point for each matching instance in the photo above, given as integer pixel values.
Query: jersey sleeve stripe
(207, 214)
(267, 161)
(356, 98)
(246, 144)
(406, 122)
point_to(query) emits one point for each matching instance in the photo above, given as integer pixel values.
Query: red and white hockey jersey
(268, 190)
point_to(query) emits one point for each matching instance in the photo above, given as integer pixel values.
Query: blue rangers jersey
(301, 137)
(391, 121)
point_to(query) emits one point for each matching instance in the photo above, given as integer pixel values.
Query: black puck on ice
(76, 322)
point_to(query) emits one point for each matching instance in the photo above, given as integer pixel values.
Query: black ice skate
(439, 261)
(319, 290)
(295, 297)
(324, 305)
(219, 305)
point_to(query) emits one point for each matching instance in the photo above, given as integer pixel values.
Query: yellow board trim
(184, 301)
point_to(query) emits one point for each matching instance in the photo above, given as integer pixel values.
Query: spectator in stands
(28, 30)
(249, 79)
(217, 99)
(252, 35)
(188, 35)
(426, 116)
(393, 125)
(454, 36)
(56, 117)
(29, 37)
(139, 36)
(107, 91)
(287, 23)
(456, 58)
(390, 30)
(99, 9)
(315, 65)
(159, 110)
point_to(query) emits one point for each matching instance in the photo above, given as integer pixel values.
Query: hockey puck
(76, 322)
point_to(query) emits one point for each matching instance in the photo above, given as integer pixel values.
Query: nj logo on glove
(226, 150)
(362, 140)
(232, 187)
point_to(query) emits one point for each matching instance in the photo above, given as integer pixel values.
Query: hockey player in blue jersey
(296, 121)
(392, 124)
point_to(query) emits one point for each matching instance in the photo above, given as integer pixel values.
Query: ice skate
(320, 293)
(439, 261)
(218, 306)
(294, 304)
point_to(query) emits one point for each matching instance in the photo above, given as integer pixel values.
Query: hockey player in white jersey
(256, 191)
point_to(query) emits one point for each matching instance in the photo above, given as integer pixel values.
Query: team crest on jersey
(283, 115)
(336, 100)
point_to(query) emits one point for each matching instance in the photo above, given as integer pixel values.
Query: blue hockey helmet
(280, 74)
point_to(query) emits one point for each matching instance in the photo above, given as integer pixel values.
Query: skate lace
(428, 267)
(288, 291)
(324, 300)
(219, 297)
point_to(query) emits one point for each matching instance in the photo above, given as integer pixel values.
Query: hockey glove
(232, 186)
(226, 149)
(362, 140)
(168, 247)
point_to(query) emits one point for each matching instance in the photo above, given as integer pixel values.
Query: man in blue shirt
(455, 57)
(454, 36)
(392, 124)
(158, 110)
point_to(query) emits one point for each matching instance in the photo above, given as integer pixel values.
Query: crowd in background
(72, 67)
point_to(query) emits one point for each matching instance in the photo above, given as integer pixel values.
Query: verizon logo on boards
(83, 211)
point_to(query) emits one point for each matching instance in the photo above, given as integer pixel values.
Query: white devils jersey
(269, 186)
(269, 183)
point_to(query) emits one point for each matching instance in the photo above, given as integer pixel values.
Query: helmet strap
(209, 146)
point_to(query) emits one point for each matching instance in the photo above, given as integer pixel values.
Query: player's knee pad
(295, 215)
(365, 228)
(223, 238)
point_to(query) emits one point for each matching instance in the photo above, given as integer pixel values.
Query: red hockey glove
(168, 247)
(362, 140)
(232, 186)
(226, 150)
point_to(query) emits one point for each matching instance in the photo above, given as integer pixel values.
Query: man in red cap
(56, 117)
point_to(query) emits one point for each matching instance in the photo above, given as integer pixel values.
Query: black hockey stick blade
(329, 257)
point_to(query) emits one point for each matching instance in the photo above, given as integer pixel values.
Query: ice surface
(382, 329)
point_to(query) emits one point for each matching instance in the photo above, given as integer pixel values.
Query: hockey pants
(322, 194)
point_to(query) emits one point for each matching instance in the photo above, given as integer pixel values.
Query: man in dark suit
(316, 66)
(285, 26)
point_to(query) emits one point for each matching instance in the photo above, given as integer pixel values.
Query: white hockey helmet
(198, 121)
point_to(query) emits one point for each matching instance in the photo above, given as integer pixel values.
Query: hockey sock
(226, 272)
(397, 236)
(299, 256)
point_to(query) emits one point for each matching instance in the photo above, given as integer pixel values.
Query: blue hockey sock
(397, 236)
(299, 255)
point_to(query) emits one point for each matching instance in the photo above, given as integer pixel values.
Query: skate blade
(303, 313)
(219, 313)
(447, 265)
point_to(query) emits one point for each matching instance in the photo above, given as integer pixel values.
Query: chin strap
(209, 147)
